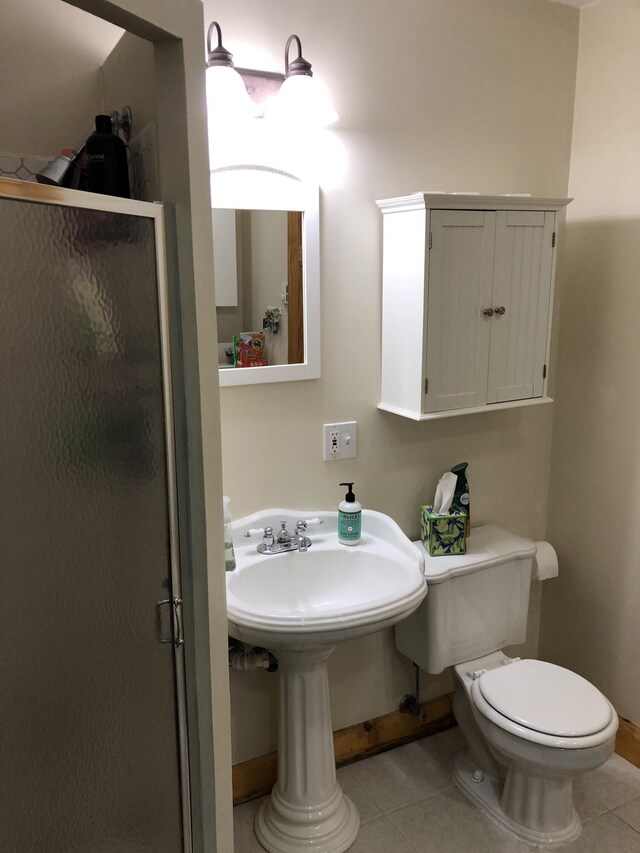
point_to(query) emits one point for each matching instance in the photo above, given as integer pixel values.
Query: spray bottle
(461, 501)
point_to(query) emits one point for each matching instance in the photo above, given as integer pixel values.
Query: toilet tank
(476, 603)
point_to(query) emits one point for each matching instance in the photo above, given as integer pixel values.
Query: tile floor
(409, 804)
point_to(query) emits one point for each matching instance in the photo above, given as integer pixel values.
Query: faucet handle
(268, 538)
(301, 527)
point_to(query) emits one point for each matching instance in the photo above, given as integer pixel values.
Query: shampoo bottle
(349, 518)
(229, 553)
(107, 169)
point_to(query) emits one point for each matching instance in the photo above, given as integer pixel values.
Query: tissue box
(443, 535)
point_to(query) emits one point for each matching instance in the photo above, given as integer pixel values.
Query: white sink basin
(300, 605)
(329, 593)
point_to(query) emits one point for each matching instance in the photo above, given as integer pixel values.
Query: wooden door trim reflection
(295, 323)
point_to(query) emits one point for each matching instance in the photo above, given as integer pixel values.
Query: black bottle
(107, 170)
(461, 501)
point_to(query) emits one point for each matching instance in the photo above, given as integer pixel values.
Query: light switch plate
(339, 441)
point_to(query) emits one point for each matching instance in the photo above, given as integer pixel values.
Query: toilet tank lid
(486, 546)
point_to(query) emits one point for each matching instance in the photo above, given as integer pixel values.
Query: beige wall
(50, 55)
(128, 78)
(433, 94)
(590, 614)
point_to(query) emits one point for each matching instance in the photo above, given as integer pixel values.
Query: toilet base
(487, 795)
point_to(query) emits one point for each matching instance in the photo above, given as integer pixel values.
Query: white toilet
(530, 726)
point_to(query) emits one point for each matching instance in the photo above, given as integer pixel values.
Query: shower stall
(93, 739)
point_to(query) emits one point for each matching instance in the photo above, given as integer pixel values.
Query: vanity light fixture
(227, 97)
(295, 99)
(301, 100)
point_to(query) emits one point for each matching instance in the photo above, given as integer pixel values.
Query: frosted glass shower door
(90, 736)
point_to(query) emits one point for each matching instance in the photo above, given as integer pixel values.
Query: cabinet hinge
(430, 239)
(544, 372)
(553, 240)
(426, 386)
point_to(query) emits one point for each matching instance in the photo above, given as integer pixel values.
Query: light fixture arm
(218, 55)
(299, 64)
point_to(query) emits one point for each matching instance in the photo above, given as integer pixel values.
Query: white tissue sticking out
(545, 563)
(444, 493)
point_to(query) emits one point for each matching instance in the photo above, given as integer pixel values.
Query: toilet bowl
(530, 727)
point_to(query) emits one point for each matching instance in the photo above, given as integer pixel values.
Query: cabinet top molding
(469, 201)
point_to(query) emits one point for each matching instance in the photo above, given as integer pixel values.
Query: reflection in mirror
(258, 275)
(266, 243)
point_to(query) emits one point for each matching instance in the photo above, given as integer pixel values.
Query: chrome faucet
(284, 537)
(285, 541)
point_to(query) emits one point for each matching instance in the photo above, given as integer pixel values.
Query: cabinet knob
(500, 310)
(488, 312)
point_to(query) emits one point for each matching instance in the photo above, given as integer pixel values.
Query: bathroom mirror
(266, 258)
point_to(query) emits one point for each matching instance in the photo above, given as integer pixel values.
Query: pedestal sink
(299, 605)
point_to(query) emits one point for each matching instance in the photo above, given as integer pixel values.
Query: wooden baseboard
(256, 777)
(628, 741)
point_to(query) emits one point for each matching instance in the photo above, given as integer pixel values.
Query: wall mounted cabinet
(466, 306)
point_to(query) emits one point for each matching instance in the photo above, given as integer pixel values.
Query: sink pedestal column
(307, 809)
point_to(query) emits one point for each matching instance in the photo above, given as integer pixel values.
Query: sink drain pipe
(410, 702)
(247, 661)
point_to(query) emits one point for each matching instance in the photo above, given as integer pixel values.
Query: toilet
(529, 726)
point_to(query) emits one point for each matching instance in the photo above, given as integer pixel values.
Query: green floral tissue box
(443, 535)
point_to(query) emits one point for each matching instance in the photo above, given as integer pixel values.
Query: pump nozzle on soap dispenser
(349, 518)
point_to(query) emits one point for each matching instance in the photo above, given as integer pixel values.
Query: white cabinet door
(460, 286)
(523, 263)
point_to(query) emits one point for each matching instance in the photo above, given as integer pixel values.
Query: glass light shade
(227, 97)
(302, 101)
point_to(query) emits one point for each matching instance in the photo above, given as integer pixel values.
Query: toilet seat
(545, 704)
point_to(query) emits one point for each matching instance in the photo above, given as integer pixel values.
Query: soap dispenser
(349, 518)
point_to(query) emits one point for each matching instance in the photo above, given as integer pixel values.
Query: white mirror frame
(264, 188)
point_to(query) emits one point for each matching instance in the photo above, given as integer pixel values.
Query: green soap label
(349, 525)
